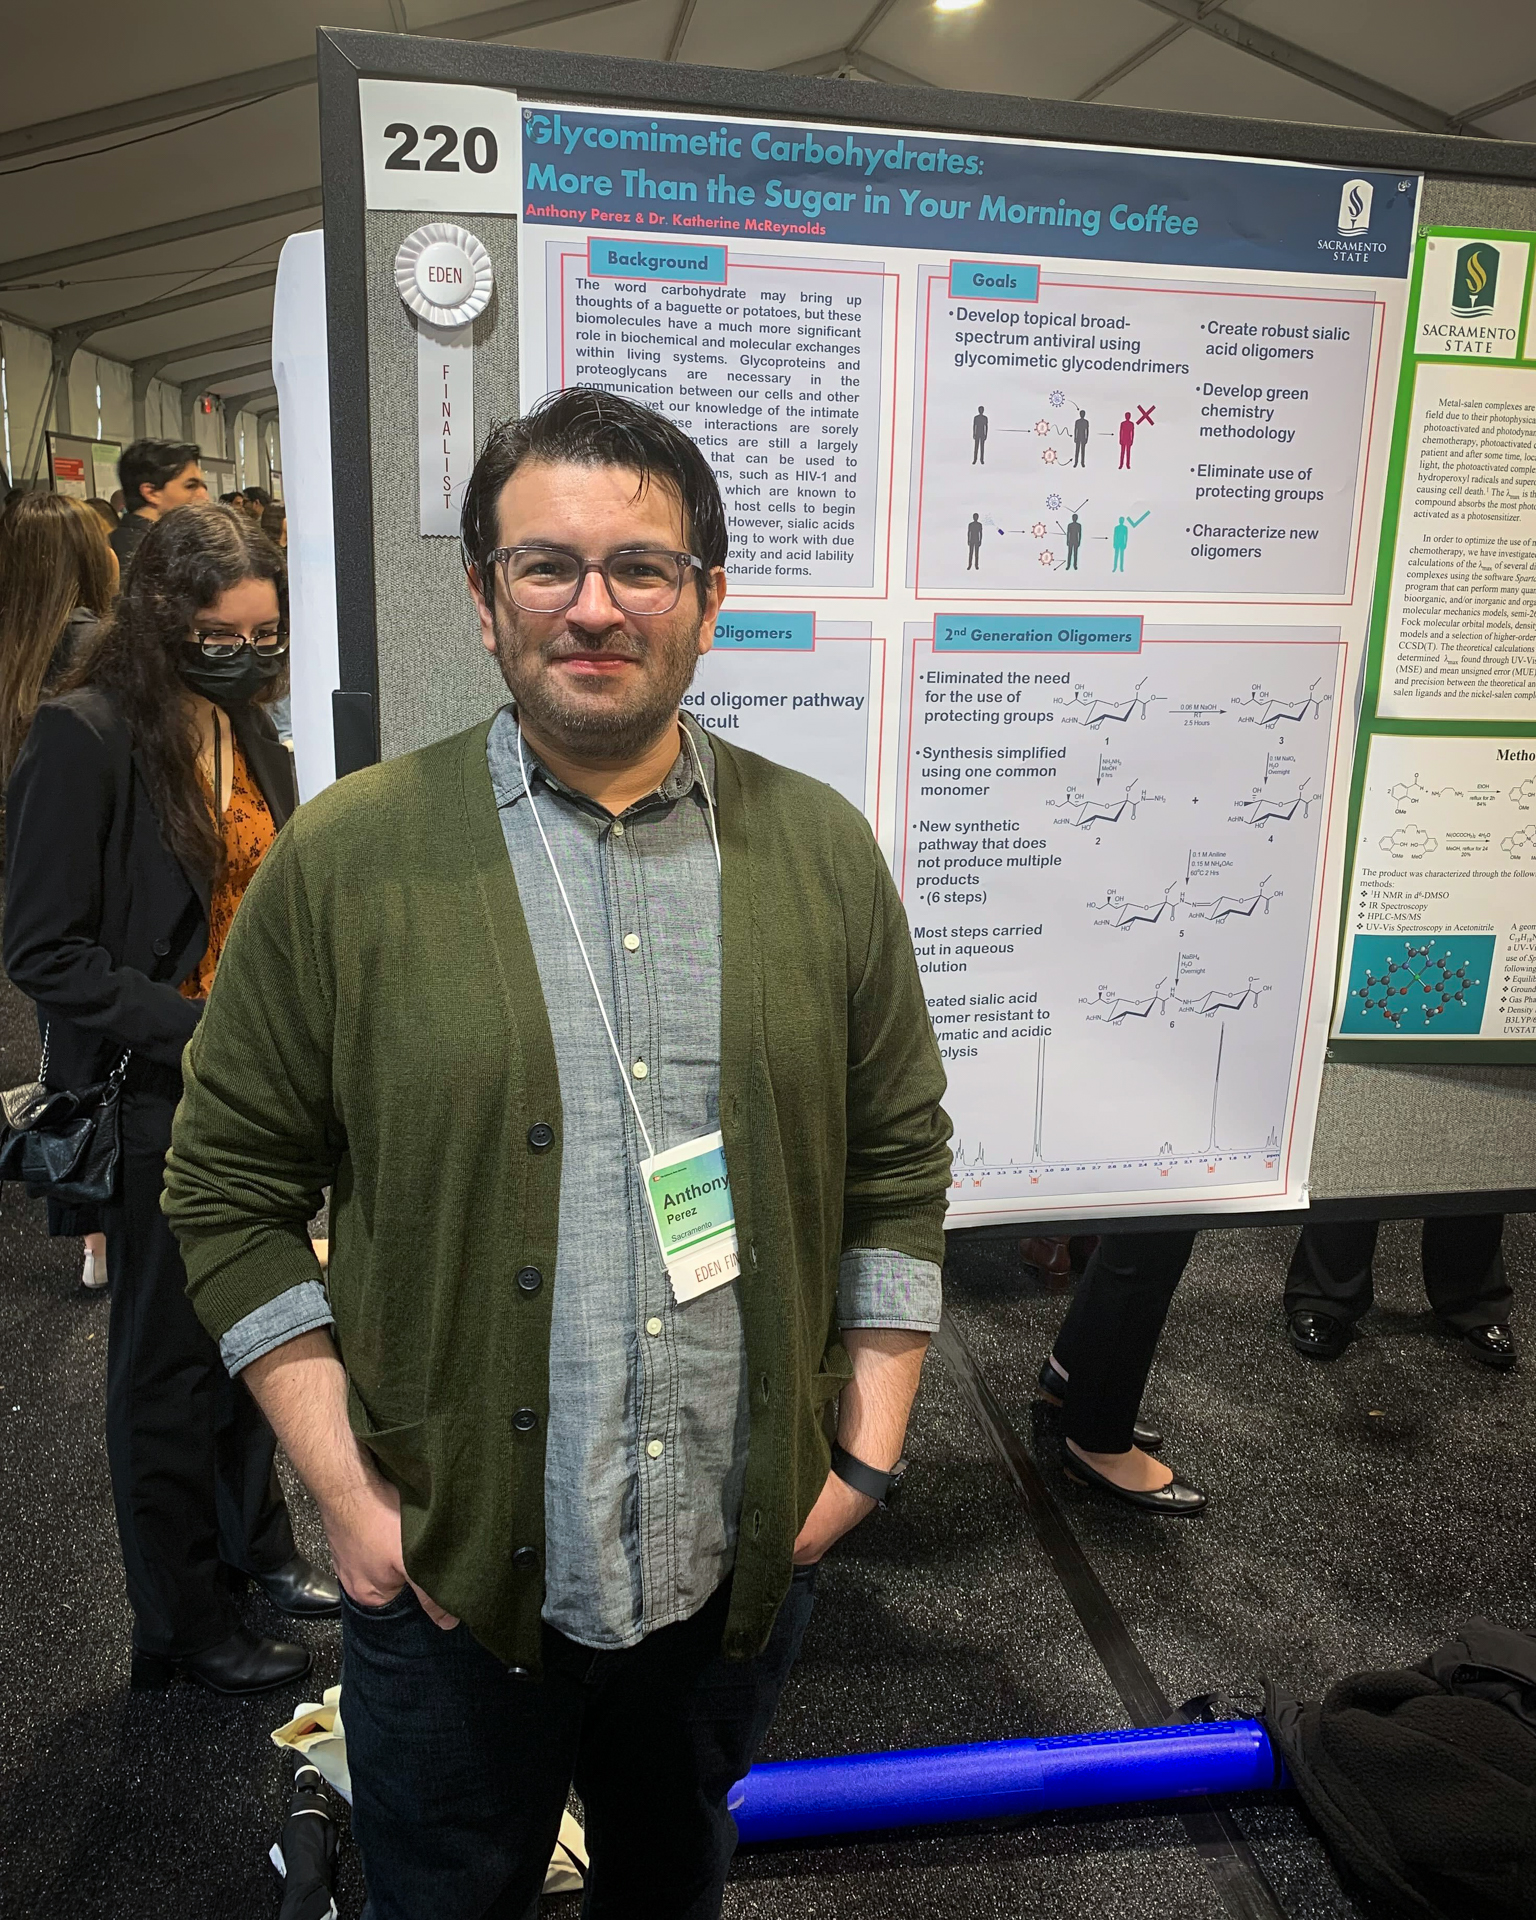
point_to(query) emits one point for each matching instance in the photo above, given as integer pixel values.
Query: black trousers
(1109, 1338)
(190, 1452)
(460, 1772)
(1463, 1269)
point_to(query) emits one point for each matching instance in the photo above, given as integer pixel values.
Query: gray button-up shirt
(646, 1448)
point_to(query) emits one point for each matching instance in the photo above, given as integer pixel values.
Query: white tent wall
(82, 396)
(116, 400)
(28, 375)
(207, 428)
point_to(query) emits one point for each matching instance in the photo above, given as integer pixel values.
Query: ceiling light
(955, 6)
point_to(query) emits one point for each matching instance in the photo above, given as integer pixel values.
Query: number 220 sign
(437, 148)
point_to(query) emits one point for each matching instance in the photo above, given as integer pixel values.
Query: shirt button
(525, 1419)
(163, 947)
(639, 1069)
(654, 1449)
(529, 1279)
(541, 1136)
(631, 943)
(526, 1559)
(618, 828)
(653, 1326)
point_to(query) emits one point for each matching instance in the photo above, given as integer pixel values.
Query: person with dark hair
(611, 1038)
(157, 476)
(257, 500)
(104, 511)
(58, 579)
(142, 801)
(274, 524)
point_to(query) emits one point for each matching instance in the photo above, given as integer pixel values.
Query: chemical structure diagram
(1424, 983)
(1114, 1009)
(1228, 906)
(1521, 842)
(1524, 795)
(1411, 792)
(1268, 709)
(1087, 709)
(1120, 913)
(1409, 843)
(1078, 809)
(1260, 808)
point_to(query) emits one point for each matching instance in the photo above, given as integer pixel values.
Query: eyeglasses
(550, 579)
(220, 645)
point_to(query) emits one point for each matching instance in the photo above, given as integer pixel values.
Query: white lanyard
(581, 944)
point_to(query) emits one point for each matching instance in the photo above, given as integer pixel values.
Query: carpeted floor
(1357, 1513)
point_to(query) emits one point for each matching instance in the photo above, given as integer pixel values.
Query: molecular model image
(1417, 985)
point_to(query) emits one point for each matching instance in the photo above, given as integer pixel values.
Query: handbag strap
(116, 1074)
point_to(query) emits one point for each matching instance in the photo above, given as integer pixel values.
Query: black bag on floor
(1423, 1780)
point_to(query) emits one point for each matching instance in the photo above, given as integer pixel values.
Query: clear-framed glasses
(219, 643)
(549, 579)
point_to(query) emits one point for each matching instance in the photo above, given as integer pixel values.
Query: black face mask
(229, 682)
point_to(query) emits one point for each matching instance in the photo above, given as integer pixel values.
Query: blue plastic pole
(924, 1786)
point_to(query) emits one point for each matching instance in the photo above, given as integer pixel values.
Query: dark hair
(183, 564)
(152, 463)
(104, 511)
(54, 560)
(272, 517)
(581, 427)
(258, 494)
(229, 499)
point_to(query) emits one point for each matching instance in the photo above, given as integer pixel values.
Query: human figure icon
(1074, 541)
(973, 538)
(1120, 539)
(981, 426)
(1080, 439)
(1127, 435)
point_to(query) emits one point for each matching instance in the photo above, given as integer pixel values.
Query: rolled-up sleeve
(879, 1288)
(301, 1309)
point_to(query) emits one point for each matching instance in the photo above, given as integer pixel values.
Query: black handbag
(63, 1144)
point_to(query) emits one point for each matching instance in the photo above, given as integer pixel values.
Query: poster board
(80, 467)
(1439, 944)
(405, 677)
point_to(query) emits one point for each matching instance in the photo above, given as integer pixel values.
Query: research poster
(1054, 477)
(1439, 948)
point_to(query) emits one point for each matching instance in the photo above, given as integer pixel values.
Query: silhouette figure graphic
(1080, 439)
(1120, 538)
(973, 537)
(1074, 541)
(1127, 435)
(980, 427)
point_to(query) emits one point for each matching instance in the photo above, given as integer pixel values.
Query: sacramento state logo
(1477, 279)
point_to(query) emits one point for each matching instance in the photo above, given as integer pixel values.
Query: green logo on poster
(1477, 279)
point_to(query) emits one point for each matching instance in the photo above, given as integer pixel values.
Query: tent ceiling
(150, 159)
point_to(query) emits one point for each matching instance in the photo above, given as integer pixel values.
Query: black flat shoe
(244, 1663)
(301, 1591)
(1492, 1346)
(1318, 1335)
(1052, 1388)
(1177, 1501)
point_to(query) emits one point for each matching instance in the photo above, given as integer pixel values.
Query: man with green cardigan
(608, 1039)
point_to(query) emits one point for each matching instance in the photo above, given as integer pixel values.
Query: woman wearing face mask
(143, 799)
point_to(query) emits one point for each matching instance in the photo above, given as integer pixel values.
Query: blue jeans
(460, 1773)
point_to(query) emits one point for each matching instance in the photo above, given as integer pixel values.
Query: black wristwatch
(880, 1487)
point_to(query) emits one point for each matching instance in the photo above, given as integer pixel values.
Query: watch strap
(860, 1476)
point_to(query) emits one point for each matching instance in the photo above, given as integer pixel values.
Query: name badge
(690, 1195)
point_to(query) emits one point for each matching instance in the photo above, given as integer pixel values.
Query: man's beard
(610, 727)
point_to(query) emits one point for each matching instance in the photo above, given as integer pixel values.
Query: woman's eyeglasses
(217, 643)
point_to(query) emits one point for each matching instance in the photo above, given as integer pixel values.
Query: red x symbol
(1146, 415)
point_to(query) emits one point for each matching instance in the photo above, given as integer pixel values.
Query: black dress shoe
(1177, 1501)
(1318, 1335)
(1053, 1387)
(301, 1591)
(1492, 1346)
(244, 1663)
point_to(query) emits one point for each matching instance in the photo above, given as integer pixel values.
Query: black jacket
(102, 924)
